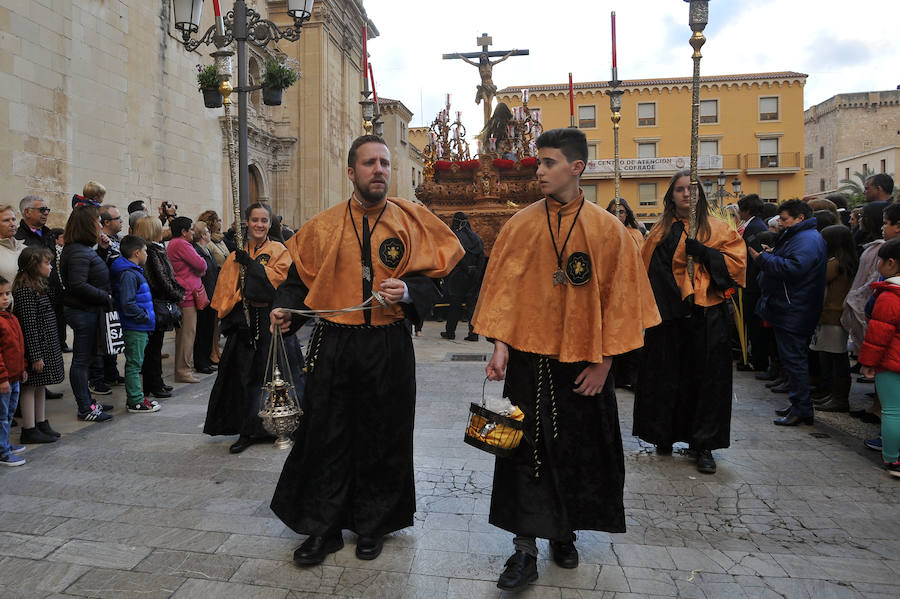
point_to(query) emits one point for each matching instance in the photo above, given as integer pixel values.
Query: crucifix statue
(487, 90)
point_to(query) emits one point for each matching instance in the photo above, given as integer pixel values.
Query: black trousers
(203, 339)
(152, 368)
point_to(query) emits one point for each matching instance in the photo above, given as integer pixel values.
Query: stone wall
(100, 89)
(846, 125)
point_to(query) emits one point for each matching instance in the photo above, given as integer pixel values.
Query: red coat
(12, 348)
(881, 347)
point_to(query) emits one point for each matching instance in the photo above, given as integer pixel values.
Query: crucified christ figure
(487, 90)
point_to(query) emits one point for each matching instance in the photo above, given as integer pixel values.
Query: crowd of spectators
(158, 278)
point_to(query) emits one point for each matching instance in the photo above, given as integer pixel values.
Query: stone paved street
(147, 506)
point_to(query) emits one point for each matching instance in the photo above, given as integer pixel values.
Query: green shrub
(206, 77)
(280, 75)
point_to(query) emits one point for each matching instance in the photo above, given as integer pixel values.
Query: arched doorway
(255, 181)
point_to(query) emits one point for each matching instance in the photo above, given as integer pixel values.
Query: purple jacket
(188, 267)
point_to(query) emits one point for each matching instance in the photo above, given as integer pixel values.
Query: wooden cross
(487, 90)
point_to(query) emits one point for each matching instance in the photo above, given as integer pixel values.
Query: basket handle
(483, 387)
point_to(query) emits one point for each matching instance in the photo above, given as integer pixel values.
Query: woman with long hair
(830, 339)
(684, 388)
(206, 317)
(85, 278)
(243, 308)
(625, 214)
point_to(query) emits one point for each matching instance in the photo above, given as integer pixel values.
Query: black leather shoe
(564, 554)
(160, 393)
(776, 382)
(167, 388)
(521, 570)
(783, 411)
(48, 394)
(314, 550)
(471, 337)
(793, 420)
(243, 442)
(369, 547)
(767, 375)
(447, 335)
(705, 462)
(662, 449)
(782, 388)
(744, 367)
(206, 370)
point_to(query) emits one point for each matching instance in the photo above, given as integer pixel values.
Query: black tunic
(236, 397)
(351, 466)
(581, 472)
(684, 388)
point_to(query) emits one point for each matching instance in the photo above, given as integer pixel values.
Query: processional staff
(699, 16)
(615, 106)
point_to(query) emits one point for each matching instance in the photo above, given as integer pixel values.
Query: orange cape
(604, 315)
(407, 240)
(272, 255)
(721, 237)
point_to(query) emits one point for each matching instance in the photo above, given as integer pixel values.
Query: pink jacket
(188, 267)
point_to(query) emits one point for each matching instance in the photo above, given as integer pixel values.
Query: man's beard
(369, 196)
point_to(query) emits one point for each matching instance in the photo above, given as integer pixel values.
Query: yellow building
(751, 128)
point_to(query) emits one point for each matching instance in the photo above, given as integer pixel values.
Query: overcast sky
(842, 46)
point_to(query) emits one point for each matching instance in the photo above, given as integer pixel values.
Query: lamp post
(721, 192)
(241, 25)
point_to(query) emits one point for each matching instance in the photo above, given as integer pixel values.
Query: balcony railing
(789, 160)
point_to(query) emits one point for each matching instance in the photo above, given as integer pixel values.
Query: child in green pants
(880, 352)
(135, 304)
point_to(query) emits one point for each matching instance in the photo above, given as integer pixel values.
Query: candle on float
(524, 96)
(372, 78)
(613, 16)
(448, 103)
(365, 57)
(458, 115)
(220, 23)
(511, 130)
(571, 102)
(493, 145)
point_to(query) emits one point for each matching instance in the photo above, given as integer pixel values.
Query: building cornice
(639, 85)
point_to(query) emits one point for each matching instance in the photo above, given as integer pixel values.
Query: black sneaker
(95, 414)
(119, 380)
(99, 389)
(520, 571)
(446, 335)
(145, 407)
(705, 461)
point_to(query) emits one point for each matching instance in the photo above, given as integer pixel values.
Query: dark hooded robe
(462, 285)
(351, 466)
(684, 386)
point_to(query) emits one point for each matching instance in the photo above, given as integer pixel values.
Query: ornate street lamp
(241, 25)
(721, 193)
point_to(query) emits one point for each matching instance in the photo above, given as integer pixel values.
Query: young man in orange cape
(351, 466)
(565, 290)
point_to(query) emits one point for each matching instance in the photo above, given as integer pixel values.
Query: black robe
(351, 466)
(581, 472)
(684, 388)
(236, 397)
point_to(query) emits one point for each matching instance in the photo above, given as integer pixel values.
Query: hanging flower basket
(211, 97)
(272, 95)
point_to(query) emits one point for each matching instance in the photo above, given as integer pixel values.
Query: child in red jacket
(12, 371)
(880, 352)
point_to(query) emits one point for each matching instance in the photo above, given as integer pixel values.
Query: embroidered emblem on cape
(578, 268)
(263, 259)
(391, 252)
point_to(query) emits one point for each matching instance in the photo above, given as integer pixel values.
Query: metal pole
(240, 36)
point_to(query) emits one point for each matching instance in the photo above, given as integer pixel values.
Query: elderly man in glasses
(33, 228)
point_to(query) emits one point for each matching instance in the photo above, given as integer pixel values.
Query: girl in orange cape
(684, 387)
(235, 398)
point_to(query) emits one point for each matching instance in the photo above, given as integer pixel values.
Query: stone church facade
(104, 90)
